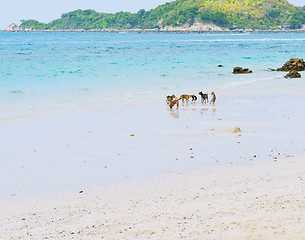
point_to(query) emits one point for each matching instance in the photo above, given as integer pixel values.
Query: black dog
(204, 97)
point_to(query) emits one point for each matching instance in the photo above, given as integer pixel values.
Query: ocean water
(79, 110)
(50, 72)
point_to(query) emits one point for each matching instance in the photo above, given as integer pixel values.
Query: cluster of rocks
(293, 74)
(195, 27)
(292, 66)
(239, 70)
(296, 64)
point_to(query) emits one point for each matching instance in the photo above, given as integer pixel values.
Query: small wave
(245, 82)
(16, 92)
(166, 88)
(242, 40)
(115, 99)
(84, 89)
(143, 93)
(215, 40)
(163, 75)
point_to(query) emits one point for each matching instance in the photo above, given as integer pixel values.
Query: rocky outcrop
(293, 74)
(296, 64)
(196, 27)
(240, 70)
(13, 27)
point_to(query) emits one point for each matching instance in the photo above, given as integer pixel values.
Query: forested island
(218, 14)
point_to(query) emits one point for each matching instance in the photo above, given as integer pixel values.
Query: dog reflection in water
(174, 114)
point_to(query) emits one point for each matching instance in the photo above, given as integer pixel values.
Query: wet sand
(229, 171)
(54, 153)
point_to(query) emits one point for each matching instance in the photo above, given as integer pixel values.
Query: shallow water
(41, 71)
(69, 103)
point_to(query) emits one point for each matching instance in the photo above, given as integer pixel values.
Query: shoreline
(259, 201)
(151, 31)
(84, 149)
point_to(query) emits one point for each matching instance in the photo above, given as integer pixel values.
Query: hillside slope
(232, 14)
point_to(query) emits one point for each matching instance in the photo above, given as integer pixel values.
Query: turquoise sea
(41, 71)
(79, 110)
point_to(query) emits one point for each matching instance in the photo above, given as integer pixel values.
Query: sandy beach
(165, 179)
(91, 150)
(264, 200)
(69, 151)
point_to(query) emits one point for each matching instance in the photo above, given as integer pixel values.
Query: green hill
(232, 14)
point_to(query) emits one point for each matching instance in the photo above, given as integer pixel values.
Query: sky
(13, 11)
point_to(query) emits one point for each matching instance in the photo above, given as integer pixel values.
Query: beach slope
(264, 200)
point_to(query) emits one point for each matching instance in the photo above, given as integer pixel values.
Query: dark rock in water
(293, 74)
(239, 70)
(219, 65)
(296, 64)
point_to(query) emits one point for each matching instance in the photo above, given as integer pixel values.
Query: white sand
(263, 201)
(66, 153)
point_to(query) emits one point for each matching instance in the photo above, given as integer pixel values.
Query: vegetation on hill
(255, 14)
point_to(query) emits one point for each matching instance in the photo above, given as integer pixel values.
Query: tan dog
(173, 103)
(213, 98)
(185, 97)
(170, 98)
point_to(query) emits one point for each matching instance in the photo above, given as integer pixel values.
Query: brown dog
(185, 97)
(213, 98)
(173, 103)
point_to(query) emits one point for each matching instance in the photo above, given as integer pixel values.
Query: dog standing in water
(213, 98)
(173, 103)
(204, 97)
(170, 98)
(185, 97)
(194, 99)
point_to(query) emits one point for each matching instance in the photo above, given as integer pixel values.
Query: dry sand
(265, 200)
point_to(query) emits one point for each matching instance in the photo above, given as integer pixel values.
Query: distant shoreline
(237, 31)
